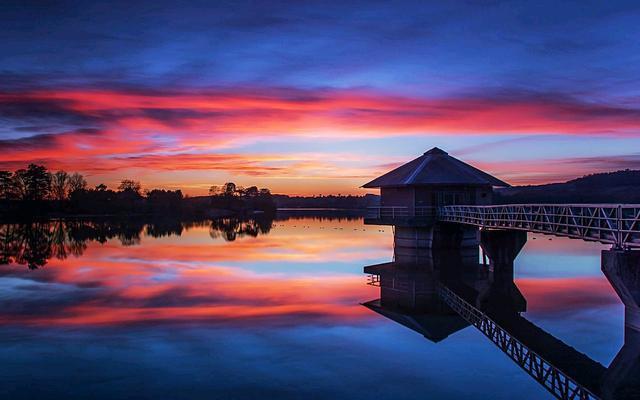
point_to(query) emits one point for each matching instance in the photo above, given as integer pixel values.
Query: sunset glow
(276, 199)
(206, 112)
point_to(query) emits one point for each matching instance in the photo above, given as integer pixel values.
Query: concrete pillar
(502, 248)
(622, 269)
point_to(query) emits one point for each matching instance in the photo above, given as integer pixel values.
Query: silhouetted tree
(215, 190)
(6, 185)
(76, 182)
(229, 189)
(60, 185)
(128, 185)
(34, 182)
(251, 191)
(19, 184)
(164, 202)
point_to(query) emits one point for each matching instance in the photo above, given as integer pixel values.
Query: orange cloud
(100, 132)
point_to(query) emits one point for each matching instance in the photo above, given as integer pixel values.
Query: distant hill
(609, 187)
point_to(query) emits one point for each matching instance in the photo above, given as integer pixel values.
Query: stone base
(427, 245)
(449, 236)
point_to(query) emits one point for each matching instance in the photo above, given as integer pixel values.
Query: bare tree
(19, 185)
(60, 185)
(76, 183)
(6, 185)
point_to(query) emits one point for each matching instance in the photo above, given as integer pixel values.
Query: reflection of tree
(37, 248)
(129, 233)
(164, 228)
(27, 244)
(8, 244)
(34, 243)
(231, 228)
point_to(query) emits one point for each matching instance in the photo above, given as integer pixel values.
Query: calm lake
(214, 310)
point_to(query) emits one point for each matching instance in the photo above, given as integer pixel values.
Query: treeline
(330, 201)
(237, 198)
(35, 191)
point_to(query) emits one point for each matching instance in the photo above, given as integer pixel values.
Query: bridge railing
(618, 225)
(398, 212)
(561, 385)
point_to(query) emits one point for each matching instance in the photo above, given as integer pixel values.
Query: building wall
(484, 195)
(401, 197)
(433, 196)
(429, 196)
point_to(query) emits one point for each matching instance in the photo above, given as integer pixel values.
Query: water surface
(273, 310)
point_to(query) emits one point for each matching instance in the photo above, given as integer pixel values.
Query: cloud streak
(98, 130)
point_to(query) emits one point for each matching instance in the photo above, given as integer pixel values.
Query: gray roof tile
(435, 167)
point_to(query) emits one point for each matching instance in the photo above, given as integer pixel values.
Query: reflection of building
(444, 293)
(409, 296)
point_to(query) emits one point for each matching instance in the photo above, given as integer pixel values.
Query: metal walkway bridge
(615, 224)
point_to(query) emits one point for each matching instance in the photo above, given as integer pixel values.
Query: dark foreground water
(207, 311)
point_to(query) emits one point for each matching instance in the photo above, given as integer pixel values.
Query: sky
(317, 97)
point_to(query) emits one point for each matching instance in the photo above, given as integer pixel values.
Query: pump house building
(412, 192)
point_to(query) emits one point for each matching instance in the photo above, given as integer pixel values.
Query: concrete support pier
(622, 269)
(502, 247)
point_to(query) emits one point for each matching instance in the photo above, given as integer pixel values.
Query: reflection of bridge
(618, 225)
(443, 290)
(544, 372)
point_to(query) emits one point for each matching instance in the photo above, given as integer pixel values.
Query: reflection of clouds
(557, 296)
(285, 244)
(542, 244)
(22, 298)
(193, 278)
(189, 280)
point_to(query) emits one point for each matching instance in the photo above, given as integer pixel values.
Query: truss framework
(551, 378)
(618, 225)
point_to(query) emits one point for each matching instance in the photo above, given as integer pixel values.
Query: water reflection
(160, 318)
(34, 243)
(446, 290)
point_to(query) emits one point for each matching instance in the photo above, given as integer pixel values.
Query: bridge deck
(615, 224)
(618, 225)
